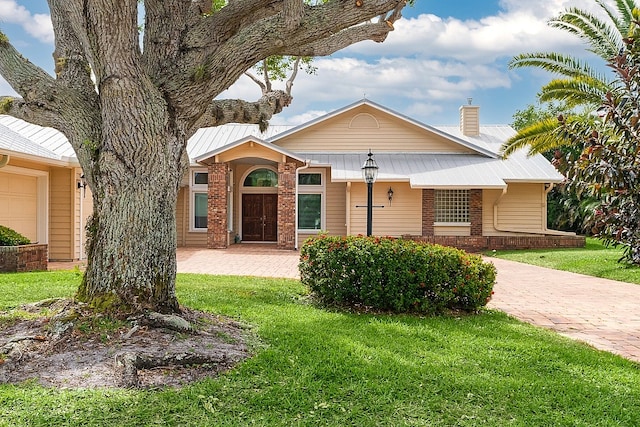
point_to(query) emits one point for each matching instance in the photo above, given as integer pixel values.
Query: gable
(366, 127)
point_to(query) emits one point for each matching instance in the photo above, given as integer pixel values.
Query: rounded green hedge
(9, 237)
(396, 275)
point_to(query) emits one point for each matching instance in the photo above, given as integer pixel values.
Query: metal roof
(244, 140)
(49, 139)
(484, 168)
(11, 141)
(211, 140)
(434, 170)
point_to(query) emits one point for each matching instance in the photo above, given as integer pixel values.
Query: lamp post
(369, 174)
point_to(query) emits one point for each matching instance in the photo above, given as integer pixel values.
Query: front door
(260, 217)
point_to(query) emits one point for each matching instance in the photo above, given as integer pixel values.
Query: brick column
(286, 205)
(428, 211)
(217, 206)
(475, 211)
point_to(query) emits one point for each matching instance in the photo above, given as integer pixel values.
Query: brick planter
(483, 243)
(18, 259)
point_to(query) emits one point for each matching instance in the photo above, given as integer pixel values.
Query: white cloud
(37, 25)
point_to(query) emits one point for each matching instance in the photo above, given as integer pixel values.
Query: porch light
(369, 174)
(390, 194)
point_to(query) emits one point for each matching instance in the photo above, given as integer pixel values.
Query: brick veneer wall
(24, 258)
(286, 205)
(475, 211)
(484, 243)
(428, 211)
(217, 206)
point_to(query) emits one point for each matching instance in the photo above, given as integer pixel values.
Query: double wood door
(260, 217)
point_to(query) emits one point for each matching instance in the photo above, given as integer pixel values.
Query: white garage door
(19, 204)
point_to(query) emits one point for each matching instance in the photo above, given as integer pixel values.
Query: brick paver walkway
(603, 313)
(600, 312)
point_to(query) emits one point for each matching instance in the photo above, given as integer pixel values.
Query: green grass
(593, 260)
(316, 367)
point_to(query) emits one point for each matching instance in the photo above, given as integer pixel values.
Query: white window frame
(193, 190)
(313, 189)
(452, 197)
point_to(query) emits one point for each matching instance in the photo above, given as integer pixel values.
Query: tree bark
(129, 127)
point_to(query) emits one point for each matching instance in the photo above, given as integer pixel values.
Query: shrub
(394, 274)
(9, 237)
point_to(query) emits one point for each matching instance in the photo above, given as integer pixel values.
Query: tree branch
(377, 32)
(293, 13)
(221, 112)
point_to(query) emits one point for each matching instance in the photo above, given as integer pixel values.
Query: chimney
(470, 119)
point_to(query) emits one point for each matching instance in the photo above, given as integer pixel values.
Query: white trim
(313, 189)
(193, 190)
(42, 214)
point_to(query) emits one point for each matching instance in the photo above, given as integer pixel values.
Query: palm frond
(575, 92)
(605, 40)
(556, 63)
(539, 137)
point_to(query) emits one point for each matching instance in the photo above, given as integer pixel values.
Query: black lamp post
(369, 174)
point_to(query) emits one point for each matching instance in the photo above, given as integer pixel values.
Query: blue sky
(441, 53)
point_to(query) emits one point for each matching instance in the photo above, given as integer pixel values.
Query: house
(444, 184)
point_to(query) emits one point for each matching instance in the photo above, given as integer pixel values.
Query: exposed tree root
(65, 344)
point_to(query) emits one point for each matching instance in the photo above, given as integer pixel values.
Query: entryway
(259, 217)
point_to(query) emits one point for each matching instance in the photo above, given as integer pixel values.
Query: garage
(19, 203)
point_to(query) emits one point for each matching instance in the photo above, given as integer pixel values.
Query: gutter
(307, 164)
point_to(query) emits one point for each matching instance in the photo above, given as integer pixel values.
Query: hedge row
(9, 237)
(394, 274)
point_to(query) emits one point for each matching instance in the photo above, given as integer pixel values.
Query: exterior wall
(217, 236)
(286, 205)
(402, 216)
(83, 201)
(186, 237)
(522, 209)
(62, 189)
(336, 207)
(364, 129)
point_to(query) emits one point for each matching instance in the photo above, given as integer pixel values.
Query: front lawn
(317, 367)
(593, 260)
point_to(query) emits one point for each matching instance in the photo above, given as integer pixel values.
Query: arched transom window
(261, 178)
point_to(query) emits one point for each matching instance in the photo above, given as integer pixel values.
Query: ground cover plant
(320, 367)
(595, 259)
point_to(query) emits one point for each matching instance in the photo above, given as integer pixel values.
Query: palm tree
(580, 85)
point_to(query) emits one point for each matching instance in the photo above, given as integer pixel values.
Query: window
(452, 206)
(198, 182)
(261, 178)
(310, 201)
(309, 211)
(200, 210)
(200, 178)
(310, 179)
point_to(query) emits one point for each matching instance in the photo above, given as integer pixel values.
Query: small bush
(394, 274)
(9, 237)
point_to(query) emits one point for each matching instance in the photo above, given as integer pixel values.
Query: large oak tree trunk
(135, 176)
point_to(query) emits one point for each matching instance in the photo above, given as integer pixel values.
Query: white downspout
(544, 230)
(307, 164)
